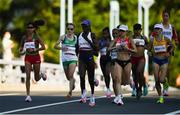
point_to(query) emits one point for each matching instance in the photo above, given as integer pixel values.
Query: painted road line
(45, 105)
(53, 104)
(173, 113)
(9, 94)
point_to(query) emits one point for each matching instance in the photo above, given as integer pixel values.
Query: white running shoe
(92, 101)
(133, 93)
(115, 100)
(83, 97)
(108, 93)
(120, 102)
(165, 93)
(43, 76)
(28, 99)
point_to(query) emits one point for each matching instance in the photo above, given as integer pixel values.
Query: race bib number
(159, 49)
(103, 51)
(29, 45)
(113, 54)
(70, 50)
(121, 43)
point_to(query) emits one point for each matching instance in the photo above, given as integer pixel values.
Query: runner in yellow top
(160, 45)
(169, 32)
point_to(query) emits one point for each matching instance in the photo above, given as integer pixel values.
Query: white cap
(158, 26)
(123, 27)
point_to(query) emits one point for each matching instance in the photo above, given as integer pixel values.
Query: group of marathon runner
(119, 55)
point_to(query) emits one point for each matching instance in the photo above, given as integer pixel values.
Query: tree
(14, 16)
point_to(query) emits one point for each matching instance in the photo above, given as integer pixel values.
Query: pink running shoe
(83, 97)
(108, 93)
(83, 100)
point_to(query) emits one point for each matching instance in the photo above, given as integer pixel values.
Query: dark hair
(106, 29)
(37, 23)
(137, 26)
(67, 24)
(118, 26)
(166, 11)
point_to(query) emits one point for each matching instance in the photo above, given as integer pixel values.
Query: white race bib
(123, 43)
(103, 51)
(159, 49)
(113, 54)
(29, 45)
(70, 50)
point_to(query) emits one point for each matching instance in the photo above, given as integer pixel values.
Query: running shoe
(83, 100)
(115, 100)
(108, 93)
(145, 90)
(43, 76)
(165, 88)
(28, 99)
(69, 95)
(83, 97)
(96, 82)
(120, 102)
(165, 93)
(160, 101)
(133, 92)
(139, 94)
(92, 101)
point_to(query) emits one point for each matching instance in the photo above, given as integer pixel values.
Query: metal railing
(11, 72)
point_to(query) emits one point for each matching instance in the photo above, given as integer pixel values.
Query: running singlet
(139, 41)
(83, 44)
(85, 49)
(120, 42)
(70, 54)
(160, 46)
(103, 46)
(31, 44)
(168, 32)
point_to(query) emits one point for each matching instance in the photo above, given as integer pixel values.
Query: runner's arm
(41, 42)
(57, 44)
(175, 36)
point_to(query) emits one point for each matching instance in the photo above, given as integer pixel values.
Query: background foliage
(14, 14)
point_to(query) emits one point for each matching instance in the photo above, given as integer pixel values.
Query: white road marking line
(173, 113)
(52, 104)
(46, 105)
(9, 94)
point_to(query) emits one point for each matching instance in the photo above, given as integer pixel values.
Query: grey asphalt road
(57, 103)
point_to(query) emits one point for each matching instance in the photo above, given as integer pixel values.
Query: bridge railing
(12, 72)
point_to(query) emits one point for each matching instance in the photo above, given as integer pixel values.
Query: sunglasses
(30, 27)
(122, 30)
(70, 29)
(157, 28)
(115, 33)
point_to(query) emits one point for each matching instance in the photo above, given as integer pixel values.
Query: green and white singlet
(70, 54)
